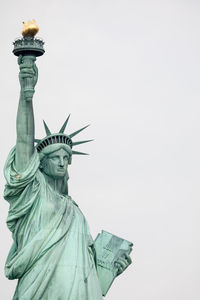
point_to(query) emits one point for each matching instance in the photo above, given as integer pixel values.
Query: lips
(61, 170)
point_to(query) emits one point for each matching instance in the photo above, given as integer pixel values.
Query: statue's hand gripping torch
(28, 75)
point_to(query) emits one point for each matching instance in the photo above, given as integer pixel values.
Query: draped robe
(52, 253)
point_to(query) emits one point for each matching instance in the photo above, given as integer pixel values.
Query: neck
(58, 185)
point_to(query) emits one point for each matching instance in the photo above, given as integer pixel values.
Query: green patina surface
(53, 255)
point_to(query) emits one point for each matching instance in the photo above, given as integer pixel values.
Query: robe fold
(52, 253)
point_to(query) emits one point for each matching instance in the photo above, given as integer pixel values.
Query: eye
(65, 157)
(54, 158)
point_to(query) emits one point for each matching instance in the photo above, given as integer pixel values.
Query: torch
(28, 47)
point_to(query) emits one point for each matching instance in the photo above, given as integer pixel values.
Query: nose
(61, 162)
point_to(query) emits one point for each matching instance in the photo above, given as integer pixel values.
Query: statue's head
(55, 151)
(54, 161)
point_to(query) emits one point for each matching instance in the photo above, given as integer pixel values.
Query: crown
(60, 138)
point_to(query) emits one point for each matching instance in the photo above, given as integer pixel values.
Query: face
(55, 164)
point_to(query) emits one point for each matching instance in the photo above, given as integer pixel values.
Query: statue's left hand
(122, 263)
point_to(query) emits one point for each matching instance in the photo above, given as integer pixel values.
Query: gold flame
(30, 28)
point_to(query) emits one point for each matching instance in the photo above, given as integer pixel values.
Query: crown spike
(48, 132)
(81, 142)
(79, 153)
(76, 132)
(64, 125)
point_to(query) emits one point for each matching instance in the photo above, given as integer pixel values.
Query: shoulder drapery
(18, 188)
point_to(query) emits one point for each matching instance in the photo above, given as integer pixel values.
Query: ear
(70, 160)
(40, 166)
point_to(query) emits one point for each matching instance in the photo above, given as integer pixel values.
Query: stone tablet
(109, 248)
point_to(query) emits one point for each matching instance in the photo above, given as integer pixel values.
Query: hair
(53, 148)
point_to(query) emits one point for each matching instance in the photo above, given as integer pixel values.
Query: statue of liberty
(53, 255)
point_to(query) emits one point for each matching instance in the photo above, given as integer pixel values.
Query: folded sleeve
(21, 189)
(17, 181)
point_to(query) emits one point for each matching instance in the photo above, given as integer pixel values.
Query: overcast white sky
(131, 69)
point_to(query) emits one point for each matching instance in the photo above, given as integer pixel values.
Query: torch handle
(28, 60)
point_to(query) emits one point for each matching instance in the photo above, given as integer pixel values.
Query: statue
(53, 255)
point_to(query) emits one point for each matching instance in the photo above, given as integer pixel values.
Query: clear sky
(131, 69)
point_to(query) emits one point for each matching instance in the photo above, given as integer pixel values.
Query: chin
(59, 174)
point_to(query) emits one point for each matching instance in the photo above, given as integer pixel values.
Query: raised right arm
(25, 118)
